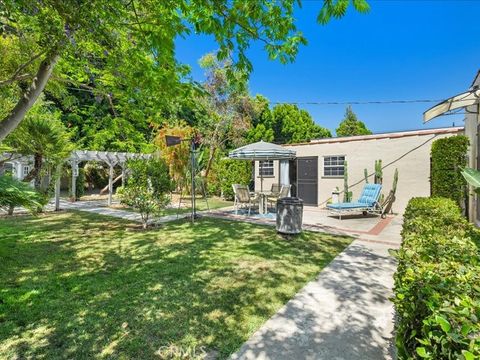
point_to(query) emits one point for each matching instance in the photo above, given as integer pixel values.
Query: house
(319, 166)
(18, 166)
(472, 131)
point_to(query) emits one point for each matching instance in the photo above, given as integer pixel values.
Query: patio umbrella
(462, 100)
(261, 151)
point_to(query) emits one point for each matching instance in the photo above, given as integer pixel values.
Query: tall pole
(110, 184)
(192, 154)
(58, 175)
(74, 182)
(261, 176)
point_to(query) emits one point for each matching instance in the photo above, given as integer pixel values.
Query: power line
(357, 102)
(321, 103)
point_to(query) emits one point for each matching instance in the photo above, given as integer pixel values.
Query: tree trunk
(105, 189)
(28, 99)
(38, 160)
(211, 156)
(34, 174)
(10, 210)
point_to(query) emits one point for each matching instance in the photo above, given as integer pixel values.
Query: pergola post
(110, 158)
(58, 177)
(110, 184)
(124, 173)
(74, 181)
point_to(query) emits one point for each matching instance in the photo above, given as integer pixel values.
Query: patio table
(263, 203)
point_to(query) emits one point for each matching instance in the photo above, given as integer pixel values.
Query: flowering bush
(146, 188)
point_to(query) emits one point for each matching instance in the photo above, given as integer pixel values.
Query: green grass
(78, 285)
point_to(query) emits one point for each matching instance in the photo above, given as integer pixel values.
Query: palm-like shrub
(14, 193)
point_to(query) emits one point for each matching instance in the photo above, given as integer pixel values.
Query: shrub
(15, 193)
(437, 283)
(233, 172)
(146, 187)
(449, 157)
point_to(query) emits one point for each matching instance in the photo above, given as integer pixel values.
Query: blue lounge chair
(367, 203)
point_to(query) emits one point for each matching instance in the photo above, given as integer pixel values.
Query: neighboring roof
(261, 151)
(391, 135)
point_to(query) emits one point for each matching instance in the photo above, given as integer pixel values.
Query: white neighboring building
(469, 102)
(19, 167)
(472, 131)
(319, 166)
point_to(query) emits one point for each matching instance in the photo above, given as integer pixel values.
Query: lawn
(78, 285)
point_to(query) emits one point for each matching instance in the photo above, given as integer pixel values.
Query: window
(26, 170)
(333, 166)
(265, 168)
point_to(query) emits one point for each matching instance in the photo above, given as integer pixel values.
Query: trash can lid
(290, 201)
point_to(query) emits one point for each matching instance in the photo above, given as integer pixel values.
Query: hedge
(437, 283)
(233, 172)
(449, 157)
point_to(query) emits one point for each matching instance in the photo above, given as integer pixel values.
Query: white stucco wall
(267, 180)
(472, 121)
(407, 151)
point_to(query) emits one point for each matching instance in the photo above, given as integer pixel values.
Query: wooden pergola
(109, 157)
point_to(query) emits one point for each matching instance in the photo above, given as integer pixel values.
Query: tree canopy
(124, 51)
(351, 126)
(284, 123)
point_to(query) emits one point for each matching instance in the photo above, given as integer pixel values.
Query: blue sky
(401, 50)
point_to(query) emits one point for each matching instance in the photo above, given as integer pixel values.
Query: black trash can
(289, 215)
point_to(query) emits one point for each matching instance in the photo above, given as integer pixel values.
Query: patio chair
(367, 203)
(284, 190)
(275, 190)
(243, 198)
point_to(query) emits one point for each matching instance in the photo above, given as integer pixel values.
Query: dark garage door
(307, 180)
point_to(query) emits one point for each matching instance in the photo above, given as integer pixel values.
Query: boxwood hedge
(437, 283)
(449, 157)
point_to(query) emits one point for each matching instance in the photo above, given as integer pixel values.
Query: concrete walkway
(99, 207)
(343, 314)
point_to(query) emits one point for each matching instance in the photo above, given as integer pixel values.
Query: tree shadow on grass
(106, 291)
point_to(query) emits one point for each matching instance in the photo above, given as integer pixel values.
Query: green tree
(292, 125)
(226, 104)
(285, 123)
(351, 126)
(43, 136)
(126, 49)
(261, 121)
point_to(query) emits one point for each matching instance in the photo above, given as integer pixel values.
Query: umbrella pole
(261, 176)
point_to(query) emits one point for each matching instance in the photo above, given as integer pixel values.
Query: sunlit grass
(77, 285)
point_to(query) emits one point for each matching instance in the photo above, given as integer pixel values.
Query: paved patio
(316, 219)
